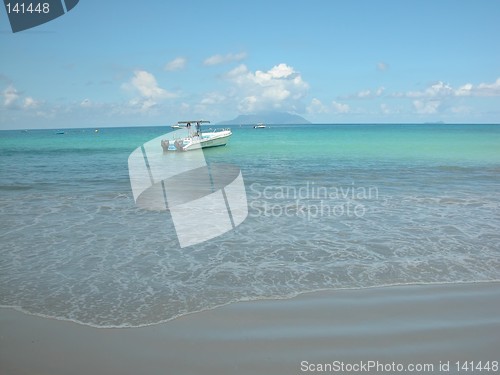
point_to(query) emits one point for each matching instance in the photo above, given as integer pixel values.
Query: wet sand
(407, 325)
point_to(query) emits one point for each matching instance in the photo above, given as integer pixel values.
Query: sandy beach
(431, 325)
(186, 192)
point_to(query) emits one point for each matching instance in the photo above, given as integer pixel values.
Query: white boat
(195, 138)
(259, 126)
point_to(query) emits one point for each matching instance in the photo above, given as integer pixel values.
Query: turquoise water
(330, 206)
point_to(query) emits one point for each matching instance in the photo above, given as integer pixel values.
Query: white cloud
(176, 64)
(441, 89)
(426, 107)
(483, 89)
(437, 89)
(10, 96)
(365, 94)
(340, 107)
(316, 107)
(147, 85)
(150, 94)
(14, 100)
(464, 90)
(279, 88)
(29, 102)
(387, 109)
(222, 59)
(277, 71)
(238, 74)
(489, 89)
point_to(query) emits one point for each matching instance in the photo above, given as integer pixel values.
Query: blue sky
(112, 63)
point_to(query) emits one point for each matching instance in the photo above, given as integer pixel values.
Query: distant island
(268, 118)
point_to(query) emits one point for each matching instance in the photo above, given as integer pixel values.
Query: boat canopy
(194, 122)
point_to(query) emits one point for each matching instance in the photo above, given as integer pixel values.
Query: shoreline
(425, 323)
(257, 300)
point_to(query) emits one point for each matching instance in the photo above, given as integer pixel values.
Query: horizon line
(279, 124)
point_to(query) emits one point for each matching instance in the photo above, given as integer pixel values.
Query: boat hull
(208, 140)
(213, 140)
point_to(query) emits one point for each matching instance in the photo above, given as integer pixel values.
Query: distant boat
(260, 125)
(59, 132)
(196, 139)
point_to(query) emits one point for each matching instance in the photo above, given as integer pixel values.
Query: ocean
(329, 207)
